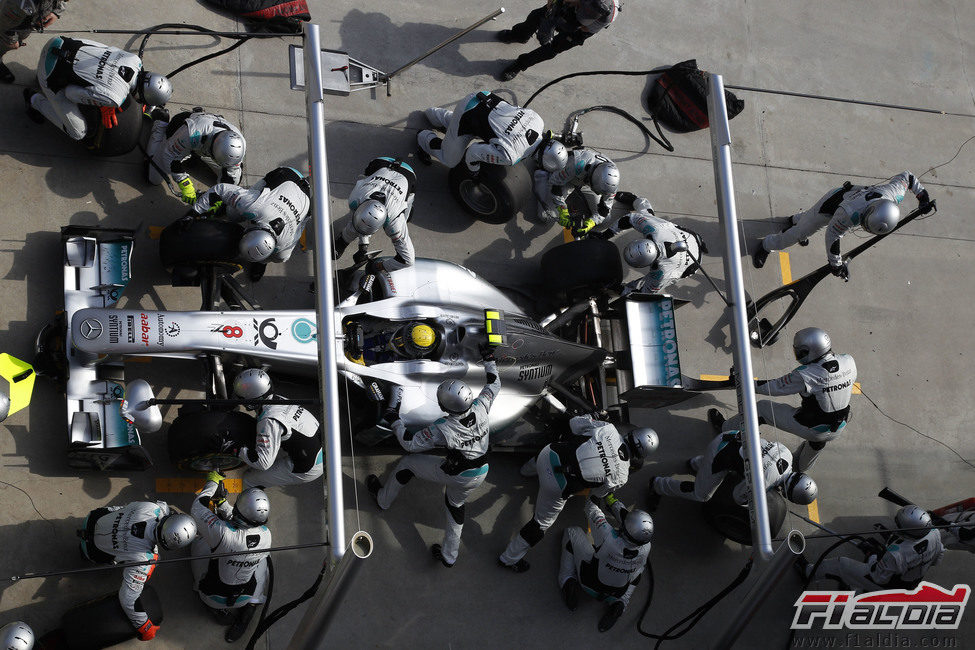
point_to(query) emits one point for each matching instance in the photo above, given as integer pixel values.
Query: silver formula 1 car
(585, 357)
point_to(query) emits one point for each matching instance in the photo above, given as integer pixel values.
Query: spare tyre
(190, 241)
(118, 140)
(102, 623)
(496, 195)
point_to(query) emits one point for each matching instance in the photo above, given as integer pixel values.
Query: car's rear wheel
(582, 268)
(731, 519)
(205, 440)
(199, 241)
(496, 195)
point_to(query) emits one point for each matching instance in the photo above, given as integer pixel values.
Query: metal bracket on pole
(727, 214)
(343, 75)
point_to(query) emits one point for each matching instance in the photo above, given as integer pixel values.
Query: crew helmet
(799, 488)
(554, 156)
(880, 216)
(640, 253)
(369, 217)
(637, 527)
(417, 339)
(153, 89)
(454, 396)
(175, 531)
(227, 148)
(811, 344)
(912, 516)
(252, 383)
(641, 442)
(257, 244)
(252, 507)
(605, 178)
(16, 636)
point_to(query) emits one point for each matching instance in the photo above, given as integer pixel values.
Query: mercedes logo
(91, 328)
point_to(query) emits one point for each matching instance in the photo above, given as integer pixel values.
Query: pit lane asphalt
(905, 316)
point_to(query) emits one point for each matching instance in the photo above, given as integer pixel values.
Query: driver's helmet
(415, 340)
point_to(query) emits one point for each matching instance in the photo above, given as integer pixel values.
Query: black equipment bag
(679, 99)
(281, 16)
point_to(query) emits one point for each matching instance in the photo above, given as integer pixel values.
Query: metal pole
(315, 109)
(725, 189)
(314, 625)
(450, 40)
(781, 561)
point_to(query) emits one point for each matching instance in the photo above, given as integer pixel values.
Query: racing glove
(841, 271)
(187, 190)
(360, 255)
(923, 197)
(487, 351)
(563, 216)
(627, 198)
(583, 228)
(215, 477)
(108, 116)
(391, 414)
(603, 234)
(147, 631)
(214, 208)
(220, 496)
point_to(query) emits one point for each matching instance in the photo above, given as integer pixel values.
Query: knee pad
(532, 532)
(816, 445)
(456, 512)
(404, 476)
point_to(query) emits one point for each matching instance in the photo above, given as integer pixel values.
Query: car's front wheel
(207, 440)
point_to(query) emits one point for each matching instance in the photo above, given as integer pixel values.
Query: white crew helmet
(257, 244)
(369, 217)
(640, 253)
(454, 396)
(880, 217)
(227, 148)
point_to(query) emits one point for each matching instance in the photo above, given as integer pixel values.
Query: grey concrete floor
(905, 315)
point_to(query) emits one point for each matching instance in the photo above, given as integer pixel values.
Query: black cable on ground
(662, 140)
(241, 39)
(695, 616)
(267, 605)
(285, 609)
(923, 435)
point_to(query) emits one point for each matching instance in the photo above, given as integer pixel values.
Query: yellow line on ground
(714, 377)
(193, 485)
(567, 235)
(786, 267)
(856, 388)
(814, 511)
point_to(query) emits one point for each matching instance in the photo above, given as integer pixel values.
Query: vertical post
(328, 373)
(725, 190)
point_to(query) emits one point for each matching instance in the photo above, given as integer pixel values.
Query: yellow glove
(564, 219)
(216, 477)
(611, 499)
(187, 190)
(586, 226)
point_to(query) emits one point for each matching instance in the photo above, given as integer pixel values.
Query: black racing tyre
(118, 140)
(731, 520)
(582, 267)
(496, 195)
(199, 241)
(102, 623)
(205, 440)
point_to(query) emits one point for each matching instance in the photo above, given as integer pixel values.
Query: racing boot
(437, 552)
(715, 419)
(509, 73)
(35, 115)
(520, 566)
(653, 500)
(427, 141)
(613, 613)
(6, 76)
(759, 256)
(570, 594)
(241, 621)
(374, 486)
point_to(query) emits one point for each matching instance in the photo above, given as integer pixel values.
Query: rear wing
(97, 268)
(649, 371)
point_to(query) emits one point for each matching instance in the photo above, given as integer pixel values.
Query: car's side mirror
(137, 407)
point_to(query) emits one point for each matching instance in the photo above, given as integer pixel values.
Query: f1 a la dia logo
(928, 607)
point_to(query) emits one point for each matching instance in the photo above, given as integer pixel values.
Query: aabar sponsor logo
(144, 323)
(928, 607)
